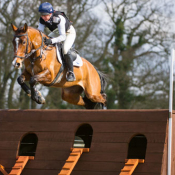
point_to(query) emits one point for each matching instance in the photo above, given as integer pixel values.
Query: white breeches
(70, 38)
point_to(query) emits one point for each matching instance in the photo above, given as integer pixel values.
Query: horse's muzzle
(16, 64)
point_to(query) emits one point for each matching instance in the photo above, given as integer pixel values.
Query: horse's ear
(25, 28)
(14, 27)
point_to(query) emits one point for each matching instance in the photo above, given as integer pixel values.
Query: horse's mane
(29, 27)
(21, 30)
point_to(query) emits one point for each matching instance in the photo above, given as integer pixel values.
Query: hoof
(104, 96)
(41, 99)
(38, 97)
(105, 103)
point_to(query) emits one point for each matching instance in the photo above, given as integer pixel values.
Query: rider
(58, 20)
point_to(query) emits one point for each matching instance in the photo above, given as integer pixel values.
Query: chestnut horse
(41, 65)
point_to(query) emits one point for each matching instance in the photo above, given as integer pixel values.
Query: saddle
(77, 61)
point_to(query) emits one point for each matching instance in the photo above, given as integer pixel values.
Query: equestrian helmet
(45, 8)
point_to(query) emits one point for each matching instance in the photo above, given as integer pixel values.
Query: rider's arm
(41, 27)
(62, 31)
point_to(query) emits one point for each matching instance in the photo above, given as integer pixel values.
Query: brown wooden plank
(148, 168)
(7, 154)
(138, 127)
(42, 136)
(98, 156)
(84, 115)
(65, 146)
(39, 172)
(114, 166)
(155, 156)
(89, 166)
(45, 165)
(123, 147)
(54, 146)
(41, 146)
(103, 137)
(9, 145)
(52, 172)
(97, 137)
(107, 173)
(11, 136)
(95, 147)
(8, 163)
(119, 157)
(93, 166)
(37, 126)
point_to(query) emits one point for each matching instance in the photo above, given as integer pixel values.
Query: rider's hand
(47, 41)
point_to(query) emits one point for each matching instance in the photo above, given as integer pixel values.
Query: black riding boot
(69, 62)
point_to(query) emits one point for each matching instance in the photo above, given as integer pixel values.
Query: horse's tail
(103, 80)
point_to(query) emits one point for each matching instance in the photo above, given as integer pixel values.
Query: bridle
(27, 55)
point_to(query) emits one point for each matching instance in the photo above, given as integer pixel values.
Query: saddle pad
(78, 61)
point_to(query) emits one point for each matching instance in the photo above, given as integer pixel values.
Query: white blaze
(17, 43)
(14, 61)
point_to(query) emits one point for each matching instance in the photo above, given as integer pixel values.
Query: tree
(135, 53)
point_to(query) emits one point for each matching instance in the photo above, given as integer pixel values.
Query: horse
(41, 66)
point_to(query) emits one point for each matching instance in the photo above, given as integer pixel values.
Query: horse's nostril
(18, 64)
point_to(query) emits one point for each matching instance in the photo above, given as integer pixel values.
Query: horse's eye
(23, 42)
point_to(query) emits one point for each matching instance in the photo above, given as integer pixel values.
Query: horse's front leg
(25, 76)
(40, 77)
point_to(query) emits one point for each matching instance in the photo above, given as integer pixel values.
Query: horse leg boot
(35, 95)
(20, 80)
(69, 62)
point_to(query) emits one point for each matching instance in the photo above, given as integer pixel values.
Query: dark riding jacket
(53, 22)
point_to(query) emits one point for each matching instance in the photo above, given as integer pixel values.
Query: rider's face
(46, 17)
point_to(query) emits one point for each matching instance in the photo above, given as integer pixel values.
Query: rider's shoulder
(56, 13)
(56, 17)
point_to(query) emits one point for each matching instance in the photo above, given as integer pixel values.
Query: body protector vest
(53, 22)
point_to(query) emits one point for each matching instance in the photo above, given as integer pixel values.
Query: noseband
(32, 51)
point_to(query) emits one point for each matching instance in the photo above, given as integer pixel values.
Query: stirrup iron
(72, 78)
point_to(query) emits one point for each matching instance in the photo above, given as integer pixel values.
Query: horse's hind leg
(88, 103)
(96, 98)
(95, 102)
(73, 95)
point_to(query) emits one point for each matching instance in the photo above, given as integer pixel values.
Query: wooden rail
(2, 170)
(20, 164)
(130, 166)
(72, 160)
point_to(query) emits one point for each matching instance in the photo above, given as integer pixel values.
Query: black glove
(47, 41)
